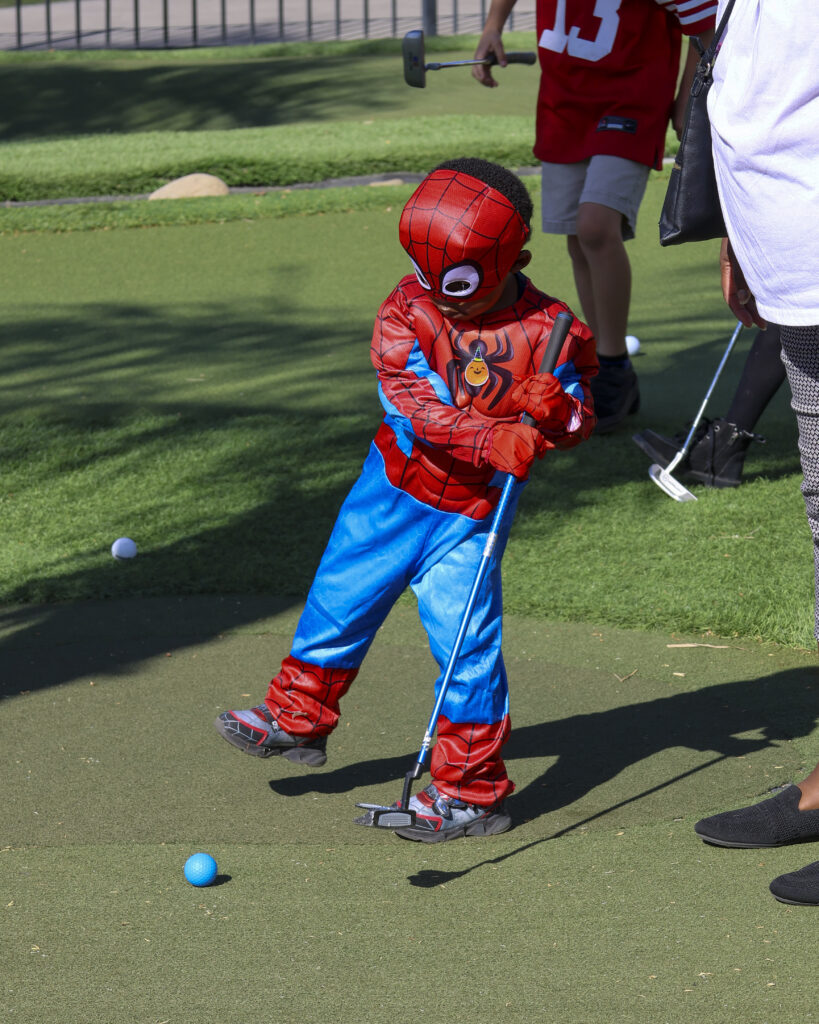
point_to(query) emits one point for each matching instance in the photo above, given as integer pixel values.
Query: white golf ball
(123, 547)
(632, 344)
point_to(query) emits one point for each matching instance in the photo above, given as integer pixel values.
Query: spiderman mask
(462, 236)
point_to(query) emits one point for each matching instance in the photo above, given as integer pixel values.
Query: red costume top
(609, 75)
(444, 384)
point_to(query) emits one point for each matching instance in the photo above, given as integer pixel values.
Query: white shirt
(764, 110)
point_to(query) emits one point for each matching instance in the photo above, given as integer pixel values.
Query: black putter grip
(521, 58)
(511, 58)
(557, 335)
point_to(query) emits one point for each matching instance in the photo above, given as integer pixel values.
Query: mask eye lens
(461, 282)
(420, 275)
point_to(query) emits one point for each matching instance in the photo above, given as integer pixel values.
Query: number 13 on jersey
(560, 38)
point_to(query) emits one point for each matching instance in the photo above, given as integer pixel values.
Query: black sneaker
(616, 395)
(256, 732)
(715, 458)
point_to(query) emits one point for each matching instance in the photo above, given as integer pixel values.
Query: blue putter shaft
(557, 336)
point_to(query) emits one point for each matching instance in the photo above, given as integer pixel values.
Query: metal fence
(152, 24)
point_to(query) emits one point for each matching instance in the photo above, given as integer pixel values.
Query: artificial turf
(600, 904)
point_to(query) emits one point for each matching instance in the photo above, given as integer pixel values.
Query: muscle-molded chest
(481, 364)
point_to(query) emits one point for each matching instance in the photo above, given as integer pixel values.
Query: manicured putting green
(600, 904)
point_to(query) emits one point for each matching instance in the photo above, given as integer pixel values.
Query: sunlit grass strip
(141, 213)
(102, 165)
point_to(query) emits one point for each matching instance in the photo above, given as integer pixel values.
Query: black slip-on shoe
(774, 822)
(798, 887)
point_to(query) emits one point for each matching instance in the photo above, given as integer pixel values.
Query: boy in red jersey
(609, 73)
(456, 348)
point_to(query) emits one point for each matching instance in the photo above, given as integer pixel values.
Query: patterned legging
(800, 355)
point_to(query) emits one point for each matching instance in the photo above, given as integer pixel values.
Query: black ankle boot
(716, 455)
(616, 394)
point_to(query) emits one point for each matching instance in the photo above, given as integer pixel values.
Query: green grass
(191, 388)
(82, 125)
(65, 94)
(89, 216)
(203, 385)
(280, 155)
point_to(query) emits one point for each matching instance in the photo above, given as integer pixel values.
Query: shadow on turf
(107, 417)
(592, 749)
(275, 545)
(77, 99)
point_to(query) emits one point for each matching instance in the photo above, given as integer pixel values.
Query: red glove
(513, 447)
(545, 401)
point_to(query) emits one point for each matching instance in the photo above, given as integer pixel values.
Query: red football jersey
(609, 75)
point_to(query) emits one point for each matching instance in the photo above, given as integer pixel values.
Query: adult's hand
(735, 288)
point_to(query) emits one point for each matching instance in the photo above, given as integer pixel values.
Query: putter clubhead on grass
(398, 815)
(673, 488)
(378, 816)
(662, 477)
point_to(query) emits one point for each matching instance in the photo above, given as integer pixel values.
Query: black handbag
(691, 209)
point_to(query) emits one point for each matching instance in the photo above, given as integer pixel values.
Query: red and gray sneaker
(256, 732)
(440, 817)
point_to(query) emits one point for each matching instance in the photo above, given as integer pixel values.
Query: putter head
(378, 816)
(666, 482)
(412, 48)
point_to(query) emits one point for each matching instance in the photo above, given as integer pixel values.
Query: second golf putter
(415, 69)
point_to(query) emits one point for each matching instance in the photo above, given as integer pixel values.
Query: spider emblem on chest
(477, 365)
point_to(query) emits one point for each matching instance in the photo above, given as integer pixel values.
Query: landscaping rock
(191, 185)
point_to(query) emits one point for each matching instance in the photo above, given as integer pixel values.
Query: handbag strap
(713, 49)
(705, 65)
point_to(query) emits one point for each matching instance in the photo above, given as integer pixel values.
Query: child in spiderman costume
(456, 348)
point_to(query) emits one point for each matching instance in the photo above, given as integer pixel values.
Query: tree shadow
(272, 547)
(66, 99)
(712, 718)
(110, 364)
(592, 749)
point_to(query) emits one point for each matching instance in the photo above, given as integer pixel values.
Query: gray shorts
(608, 180)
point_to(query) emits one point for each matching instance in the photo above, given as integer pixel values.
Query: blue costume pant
(385, 540)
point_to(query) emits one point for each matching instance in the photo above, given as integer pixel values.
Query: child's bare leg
(582, 282)
(600, 239)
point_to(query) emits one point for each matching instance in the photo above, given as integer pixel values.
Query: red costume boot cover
(304, 698)
(466, 761)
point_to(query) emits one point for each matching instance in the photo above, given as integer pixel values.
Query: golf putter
(401, 815)
(662, 477)
(412, 47)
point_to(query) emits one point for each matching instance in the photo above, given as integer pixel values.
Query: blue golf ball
(200, 869)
